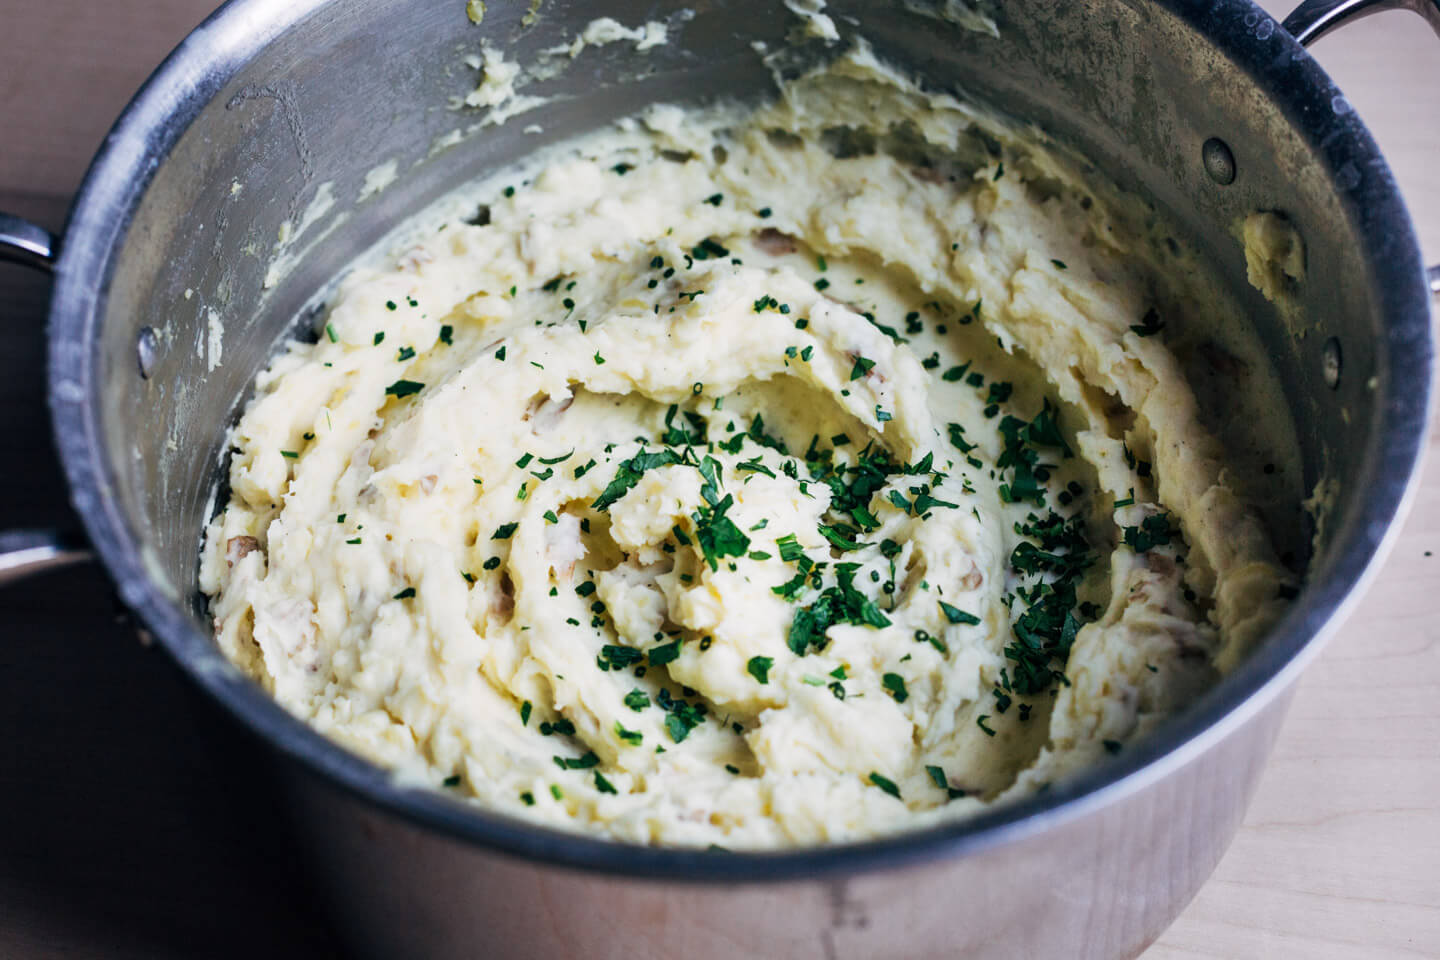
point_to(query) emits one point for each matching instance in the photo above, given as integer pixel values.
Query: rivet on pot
(147, 350)
(1219, 161)
(1330, 363)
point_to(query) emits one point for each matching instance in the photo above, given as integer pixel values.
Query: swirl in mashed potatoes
(759, 482)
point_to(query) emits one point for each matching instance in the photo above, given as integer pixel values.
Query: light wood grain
(123, 836)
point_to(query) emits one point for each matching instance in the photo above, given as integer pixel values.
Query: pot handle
(1313, 19)
(26, 243)
(25, 552)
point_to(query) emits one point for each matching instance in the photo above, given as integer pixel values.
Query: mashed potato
(762, 480)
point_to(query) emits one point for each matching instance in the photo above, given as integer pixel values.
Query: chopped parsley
(1149, 325)
(404, 388)
(708, 248)
(663, 654)
(717, 534)
(841, 603)
(584, 762)
(682, 716)
(956, 615)
(790, 549)
(1055, 559)
(836, 535)
(681, 435)
(630, 472)
(504, 531)
(613, 656)
(759, 668)
(1022, 456)
(405, 594)
(754, 465)
(895, 685)
(957, 438)
(637, 700)
(1156, 530)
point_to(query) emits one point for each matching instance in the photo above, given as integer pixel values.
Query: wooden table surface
(122, 833)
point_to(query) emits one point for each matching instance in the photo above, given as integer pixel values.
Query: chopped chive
(886, 784)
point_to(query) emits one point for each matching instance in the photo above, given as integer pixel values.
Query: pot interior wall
(354, 85)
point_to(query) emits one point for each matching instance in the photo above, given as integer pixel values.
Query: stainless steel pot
(1209, 108)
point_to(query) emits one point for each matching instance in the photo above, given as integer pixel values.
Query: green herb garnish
(759, 668)
(956, 615)
(886, 784)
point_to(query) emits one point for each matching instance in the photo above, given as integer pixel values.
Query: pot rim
(1238, 30)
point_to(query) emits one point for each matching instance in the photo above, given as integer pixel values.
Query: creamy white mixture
(750, 482)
